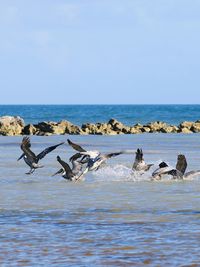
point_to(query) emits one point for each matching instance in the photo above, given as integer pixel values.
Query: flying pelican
(94, 158)
(176, 173)
(30, 158)
(139, 163)
(68, 173)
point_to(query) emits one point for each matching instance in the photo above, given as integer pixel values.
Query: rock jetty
(10, 126)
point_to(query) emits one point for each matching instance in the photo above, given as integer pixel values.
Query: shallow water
(113, 218)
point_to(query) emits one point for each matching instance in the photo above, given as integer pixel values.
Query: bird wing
(91, 154)
(139, 155)
(84, 159)
(25, 146)
(22, 155)
(148, 166)
(65, 166)
(58, 172)
(75, 157)
(75, 146)
(47, 150)
(114, 154)
(175, 173)
(161, 171)
(181, 164)
(192, 174)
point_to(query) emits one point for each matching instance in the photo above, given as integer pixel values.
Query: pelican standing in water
(30, 158)
(139, 163)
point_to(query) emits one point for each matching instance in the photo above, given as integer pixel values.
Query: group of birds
(178, 172)
(84, 161)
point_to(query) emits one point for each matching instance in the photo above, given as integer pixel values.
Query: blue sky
(93, 52)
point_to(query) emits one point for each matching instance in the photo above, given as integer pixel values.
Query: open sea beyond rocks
(114, 217)
(98, 119)
(127, 114)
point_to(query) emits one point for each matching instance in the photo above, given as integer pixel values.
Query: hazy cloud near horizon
(129, 52)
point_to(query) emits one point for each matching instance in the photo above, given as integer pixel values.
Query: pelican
(176, 173)
(158, 173)
(30, 158)
(139, 163)
(68, 173)
(179, 171)
(94, 158)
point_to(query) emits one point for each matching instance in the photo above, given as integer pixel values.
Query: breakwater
(15, 125)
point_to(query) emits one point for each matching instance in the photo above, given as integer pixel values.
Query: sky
(99, 52)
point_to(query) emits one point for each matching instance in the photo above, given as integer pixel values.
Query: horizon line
(119, 104)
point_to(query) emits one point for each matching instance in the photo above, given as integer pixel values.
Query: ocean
(113, 218)
(128, 114)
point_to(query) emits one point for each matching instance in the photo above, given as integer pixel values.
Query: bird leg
(31, 171)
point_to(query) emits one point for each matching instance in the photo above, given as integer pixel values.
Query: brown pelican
(30, 158)
(158, 173)
(139, 163)
(181, 164)
(68, 173)
(176, 173)
(94, 158)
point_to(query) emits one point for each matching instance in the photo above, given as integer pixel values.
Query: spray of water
(121, 172)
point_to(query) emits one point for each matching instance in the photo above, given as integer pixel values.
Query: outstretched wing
(181, 164)
(22, 155)
(66, 167)
(148, 166)
(75, 146)
(114, 154)
(58, 172)
(176, 174)
(161, 170)
(191, 174)
(25, 146)
(83, 160)
(139, 155)
(75, 157)
(47, 150)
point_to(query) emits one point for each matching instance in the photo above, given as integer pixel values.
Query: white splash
(120, 173)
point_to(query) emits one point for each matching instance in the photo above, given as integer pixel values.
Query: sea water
(113, 218)
(128, 114)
